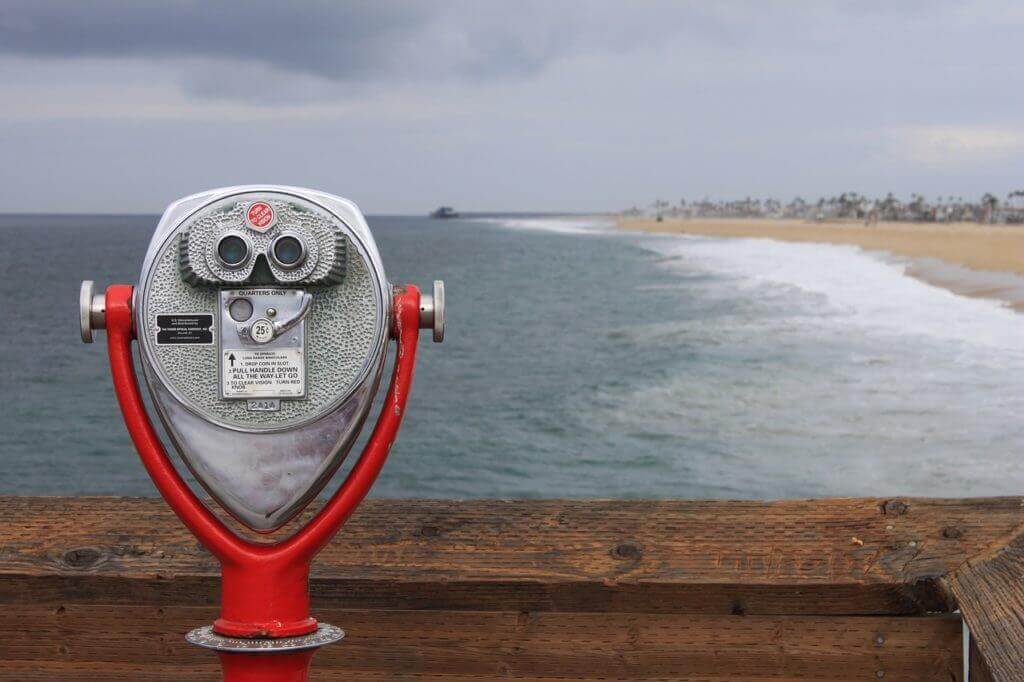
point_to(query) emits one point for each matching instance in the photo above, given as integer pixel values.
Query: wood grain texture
(989, 589)
(104, 588)
(978, 668)
(843, 556)
(502, 645)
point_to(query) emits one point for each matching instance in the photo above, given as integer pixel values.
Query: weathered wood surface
(989, 588)
(844, 556)
(824, 589)
(978, 667)
(466, 645)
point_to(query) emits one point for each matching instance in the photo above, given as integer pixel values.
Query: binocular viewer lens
(233, 251)
(287, 251)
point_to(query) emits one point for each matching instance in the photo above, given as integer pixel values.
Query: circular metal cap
(432, 311)
(438, 311)
(84, 309)
(91, 310)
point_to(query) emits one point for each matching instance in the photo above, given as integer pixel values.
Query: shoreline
(969, 259)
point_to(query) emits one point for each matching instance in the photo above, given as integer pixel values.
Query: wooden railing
(843, 589)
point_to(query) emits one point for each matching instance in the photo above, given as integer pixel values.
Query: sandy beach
(986, 260)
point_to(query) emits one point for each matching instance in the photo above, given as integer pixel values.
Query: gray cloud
(343, 41)
(334, 39)
(493, 104)
(398, 40)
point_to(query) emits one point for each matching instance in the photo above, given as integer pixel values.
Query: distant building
(852, 206)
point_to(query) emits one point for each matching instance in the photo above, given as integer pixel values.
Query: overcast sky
(124, 106)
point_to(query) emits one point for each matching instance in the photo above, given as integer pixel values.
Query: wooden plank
(989, 589)
(977, 667)
(146, 643)
(843, 556)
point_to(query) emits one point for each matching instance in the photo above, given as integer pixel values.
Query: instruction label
(263, 373)
(173, 329)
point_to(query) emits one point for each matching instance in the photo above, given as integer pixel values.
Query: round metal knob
(432, 311)
(92, 311)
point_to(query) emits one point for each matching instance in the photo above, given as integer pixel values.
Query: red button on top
(260, 216)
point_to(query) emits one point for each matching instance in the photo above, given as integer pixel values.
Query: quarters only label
(172, 329)
(263, 373)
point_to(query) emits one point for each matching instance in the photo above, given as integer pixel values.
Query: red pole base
(274, 628)
(290, 667)
(265, 659)
(277, 587)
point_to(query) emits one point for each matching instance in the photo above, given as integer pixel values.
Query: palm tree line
(851, 206)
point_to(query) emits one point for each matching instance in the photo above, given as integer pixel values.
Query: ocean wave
(823, 369)
(850, 286)
(588, 225)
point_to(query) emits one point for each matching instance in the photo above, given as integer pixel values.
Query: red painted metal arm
(209, 530)
(265, 587)
(319, 531)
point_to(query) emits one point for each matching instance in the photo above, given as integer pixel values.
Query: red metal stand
(265, 586)
(292, 667)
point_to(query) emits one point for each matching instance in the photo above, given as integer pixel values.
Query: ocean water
(583, 362)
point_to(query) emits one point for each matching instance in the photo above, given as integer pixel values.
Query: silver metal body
(263, 401)
(264, 456)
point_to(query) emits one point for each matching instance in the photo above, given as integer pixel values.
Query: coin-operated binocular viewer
(263, 319)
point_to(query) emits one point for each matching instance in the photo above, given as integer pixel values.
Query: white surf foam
(862, 288)
(586, 225)
(1006, 287)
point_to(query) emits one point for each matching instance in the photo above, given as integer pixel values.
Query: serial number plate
(264, 405)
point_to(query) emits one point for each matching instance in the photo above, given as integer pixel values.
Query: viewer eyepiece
(288, 251)
(233, 251)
